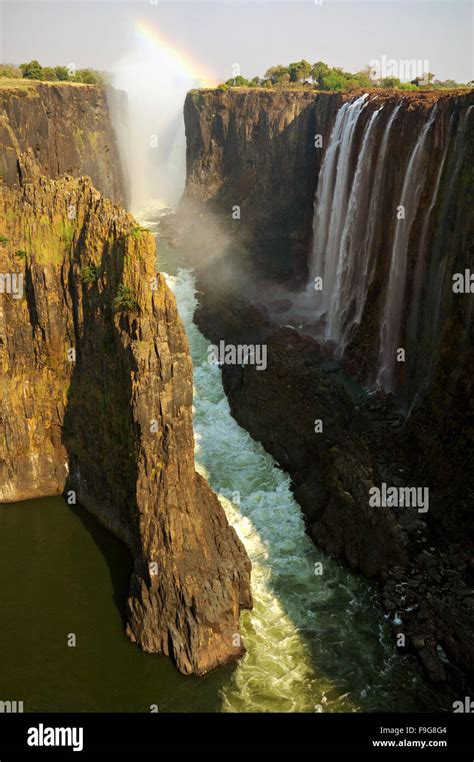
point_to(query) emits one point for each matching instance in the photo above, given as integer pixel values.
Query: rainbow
(189, 67)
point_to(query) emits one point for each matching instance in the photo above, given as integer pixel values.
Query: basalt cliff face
(64, 129)
(390, 285)
(256, 150)
(378, 207)
(96, 404)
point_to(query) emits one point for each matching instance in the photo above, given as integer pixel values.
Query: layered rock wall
(65, 129)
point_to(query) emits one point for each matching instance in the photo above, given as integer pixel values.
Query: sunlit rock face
(65, 129)
(96, 403)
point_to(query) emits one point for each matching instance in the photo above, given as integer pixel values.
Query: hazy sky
(254, 34)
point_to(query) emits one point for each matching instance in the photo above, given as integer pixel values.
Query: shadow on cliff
(98, 431)
(117, 556)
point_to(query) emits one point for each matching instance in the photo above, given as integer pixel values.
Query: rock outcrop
(65, 129)
(96, 403)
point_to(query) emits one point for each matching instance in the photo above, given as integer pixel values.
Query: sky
(255, 35)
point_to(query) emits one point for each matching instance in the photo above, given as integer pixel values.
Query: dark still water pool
(62, 573)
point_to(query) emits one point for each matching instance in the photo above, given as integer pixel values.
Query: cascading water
(351, 286)
(413, 185)
(356, 190)
(425, 316)
(331, 203)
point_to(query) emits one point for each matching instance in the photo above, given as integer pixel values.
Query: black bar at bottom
(426, 736)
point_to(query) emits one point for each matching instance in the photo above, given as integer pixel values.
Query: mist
(151, 138)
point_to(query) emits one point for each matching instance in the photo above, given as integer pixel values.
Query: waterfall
(347, 206)
(331, 202)
(425, 326)
(413, 185)
(416, 323)
(354, 194)
(351, 276)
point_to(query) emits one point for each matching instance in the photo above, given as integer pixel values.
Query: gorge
(389, 229)
(304, 213)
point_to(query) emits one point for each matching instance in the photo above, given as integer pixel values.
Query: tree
(88, 77)
(32, 70)
(333, 81)
(363, 78)
(318, 71)
(62, 73)
(299, 71)
(49, 74)
(277, 74)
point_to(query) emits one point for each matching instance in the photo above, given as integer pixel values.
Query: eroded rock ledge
(96, 399)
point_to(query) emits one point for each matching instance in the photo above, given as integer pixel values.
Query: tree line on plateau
(34, 70)
(320, 76)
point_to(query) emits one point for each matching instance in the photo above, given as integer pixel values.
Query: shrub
(136, 231)
(125, 299)
(89, 77)
(49, 74)
(32, 70)
(21, 254)
(89, 274)
(3, 240)
(389, 82)
(10, 71)
(237, 82)
(62, 73)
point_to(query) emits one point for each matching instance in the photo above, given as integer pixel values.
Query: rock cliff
(66, 129)
(256, 149)
(96, 403)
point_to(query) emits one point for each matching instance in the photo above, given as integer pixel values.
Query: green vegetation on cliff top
(301, 75)
(34, 72)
